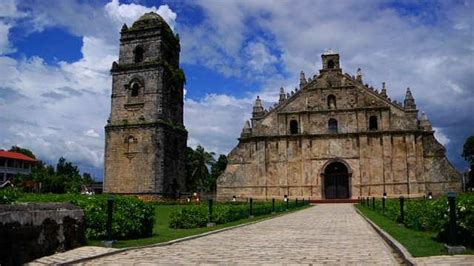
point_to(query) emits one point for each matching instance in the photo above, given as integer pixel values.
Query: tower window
(332, 102)
(293, 127)
(330, 64)
(135, 90)
(373, 123)
(138, 54)
(332, 125)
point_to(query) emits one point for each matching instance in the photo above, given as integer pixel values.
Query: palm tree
(201, 161)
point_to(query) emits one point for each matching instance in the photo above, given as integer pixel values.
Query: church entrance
(336, 181)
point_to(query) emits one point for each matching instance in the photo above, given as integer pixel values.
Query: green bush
(132, 218)
(433, 215)
(9, 195)
(194, 216)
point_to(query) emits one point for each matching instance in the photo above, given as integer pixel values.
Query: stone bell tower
(145, 139)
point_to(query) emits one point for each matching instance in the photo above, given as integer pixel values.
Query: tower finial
(303, 80)
(359, 75)
(409, 100)
(282, 95)
(425, 123)
(258, 108)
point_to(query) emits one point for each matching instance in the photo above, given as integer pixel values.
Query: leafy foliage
(65, 178)
(198, 163)
(468, 150)
(194, 216)
(433, 215)
(132, 218)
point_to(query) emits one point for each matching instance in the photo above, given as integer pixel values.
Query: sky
(56, 55)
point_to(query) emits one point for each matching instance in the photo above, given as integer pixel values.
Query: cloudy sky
(55, 58)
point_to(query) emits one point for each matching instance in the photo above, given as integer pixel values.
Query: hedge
(433, 215)
(132, 218)
(194, 216)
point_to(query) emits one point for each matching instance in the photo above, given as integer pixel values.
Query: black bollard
(210, 210)
(296, 202)
(373, 203)
(250, 208)
(273, 205)
(383, 203)
(110, 207)
(287, 203)
(402, 212)
(452, 218)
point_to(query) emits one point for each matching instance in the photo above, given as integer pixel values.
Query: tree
(468, 150)
(468, 154)
(24, 151)
(200, 163)
(216, 170)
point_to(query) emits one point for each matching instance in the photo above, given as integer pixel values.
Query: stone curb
(399, 248)
(174, 241)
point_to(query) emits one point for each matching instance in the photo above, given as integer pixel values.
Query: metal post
(452, 218)
(287, 203)
(273, 205)
(373, 203)
(250, 208)
(296, 202)
(210, 210)
(402, 213)
(383, 205)
(110, 207)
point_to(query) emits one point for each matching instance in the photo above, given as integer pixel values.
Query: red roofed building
(13, 163)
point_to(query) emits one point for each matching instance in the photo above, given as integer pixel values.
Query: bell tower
(145, 139)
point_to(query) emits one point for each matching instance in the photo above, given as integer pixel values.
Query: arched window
(138, 54)
(331, 102)
(330, 64)
(135, 90)
(294, 127)
(373, 124)
(332, 125)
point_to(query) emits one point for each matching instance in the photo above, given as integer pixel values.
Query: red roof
(16, 155)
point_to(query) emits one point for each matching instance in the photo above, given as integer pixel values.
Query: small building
(14, 163)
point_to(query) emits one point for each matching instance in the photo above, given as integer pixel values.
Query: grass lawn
(162, 233)
(418, 243)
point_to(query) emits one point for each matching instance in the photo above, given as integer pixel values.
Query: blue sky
(55, 58)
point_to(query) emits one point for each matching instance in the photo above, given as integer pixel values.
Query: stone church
(145, 139)
(336, 138)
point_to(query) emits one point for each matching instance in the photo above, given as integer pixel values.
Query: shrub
(194, 216)
(433, 215)
(132, 218)
(9, 195)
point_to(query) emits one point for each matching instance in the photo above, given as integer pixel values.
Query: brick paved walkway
(324, 234)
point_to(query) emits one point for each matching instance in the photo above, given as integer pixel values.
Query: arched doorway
(336, 181)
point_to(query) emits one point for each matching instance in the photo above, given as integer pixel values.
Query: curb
(399, 248)
(174, 241)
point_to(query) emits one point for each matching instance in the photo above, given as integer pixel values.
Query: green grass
(162, 232)
(418, 243)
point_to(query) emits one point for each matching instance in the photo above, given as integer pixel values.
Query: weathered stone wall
(33, 230)
(400, 156)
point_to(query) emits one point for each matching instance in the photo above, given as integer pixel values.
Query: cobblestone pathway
(324, 234)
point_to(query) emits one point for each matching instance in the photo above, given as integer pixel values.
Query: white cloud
(92, 133)
(441, 137)
(216, 121)
(128, 13)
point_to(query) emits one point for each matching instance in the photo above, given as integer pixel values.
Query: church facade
(145, 139)
(336, 138)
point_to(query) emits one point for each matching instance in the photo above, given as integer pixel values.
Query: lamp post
(285, 198)
(384, 198)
